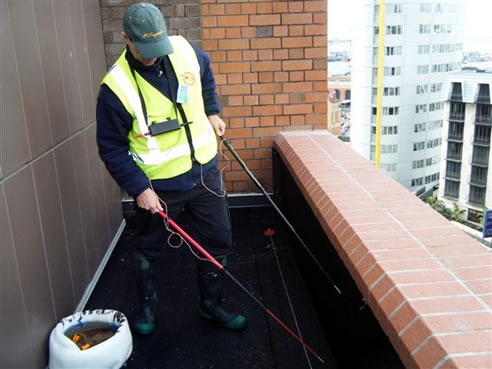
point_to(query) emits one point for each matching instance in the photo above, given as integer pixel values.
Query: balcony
(455, 156)
(455, 136)
(481, 140)
(459, 117)
(479, 181)
(453, 175)
(487, 119)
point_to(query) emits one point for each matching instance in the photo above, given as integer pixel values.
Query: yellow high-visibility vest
(169, 154)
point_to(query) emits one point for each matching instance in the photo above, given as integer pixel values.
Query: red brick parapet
(427, 282)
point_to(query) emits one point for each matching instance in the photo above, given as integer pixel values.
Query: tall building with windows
(465, 176)
(422, 44)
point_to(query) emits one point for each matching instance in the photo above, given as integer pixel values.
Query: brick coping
(427, 282)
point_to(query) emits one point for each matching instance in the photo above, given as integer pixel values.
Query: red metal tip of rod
(269, 232)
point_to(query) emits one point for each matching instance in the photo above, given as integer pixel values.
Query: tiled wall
(426, 281)
(59, 210)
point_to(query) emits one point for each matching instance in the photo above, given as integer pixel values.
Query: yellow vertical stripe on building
(380, 81)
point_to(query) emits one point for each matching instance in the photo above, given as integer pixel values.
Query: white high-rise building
(423, 42)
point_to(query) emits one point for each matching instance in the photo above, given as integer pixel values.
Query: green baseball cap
(145, 26)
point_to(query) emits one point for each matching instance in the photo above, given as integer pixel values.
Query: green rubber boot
(145, 319)
(210, 286)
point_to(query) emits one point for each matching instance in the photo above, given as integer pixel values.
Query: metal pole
(246, 169)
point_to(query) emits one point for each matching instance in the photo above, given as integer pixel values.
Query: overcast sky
(478, 19)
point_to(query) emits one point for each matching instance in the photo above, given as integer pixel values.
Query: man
(157, 115)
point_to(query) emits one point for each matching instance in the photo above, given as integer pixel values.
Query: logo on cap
(153, 34)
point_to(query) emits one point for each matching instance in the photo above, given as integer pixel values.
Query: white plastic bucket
(110, 354)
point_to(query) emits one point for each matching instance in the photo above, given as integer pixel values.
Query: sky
(477, 28)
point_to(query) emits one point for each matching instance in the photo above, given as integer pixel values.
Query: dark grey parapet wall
(183, 17)
(59, 209)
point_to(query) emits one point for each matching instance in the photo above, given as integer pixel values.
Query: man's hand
(149, 200)
(218, 124)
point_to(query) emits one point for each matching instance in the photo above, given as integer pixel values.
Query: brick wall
(269, 60)
(182, 17)
(426, 281)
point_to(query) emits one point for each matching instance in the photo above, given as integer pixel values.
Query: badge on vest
(183, 94)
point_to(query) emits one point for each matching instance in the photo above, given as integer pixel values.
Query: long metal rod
(219, 266)
(286, 221)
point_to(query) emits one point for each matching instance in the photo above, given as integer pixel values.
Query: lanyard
(171, 82)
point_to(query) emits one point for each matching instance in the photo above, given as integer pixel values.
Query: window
(392, 71)
(422, 69)
(480, 155)
(434, 143)
(434, 124)
(389, 130)
(421, 108)
(479, 175)
(431, 178)
(451, 189)
(456, 111)
(418, 164)
(426, 8)
(392, 50)
(441, 28)
(417, 182)
(436, 159)
(389, 167)
(337, 94)
(391, 110)
(436, 106)
(393, 8)
(393, 30)
(484, 94)
(424, 49)
(389, 149)
(422, 89)
(425, 28)
(419, 127)
(454, 150)
(391, 91)
(477, 195)
(347, 95)
(436, 87)
(417, 146)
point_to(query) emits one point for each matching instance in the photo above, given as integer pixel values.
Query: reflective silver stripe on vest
(157, 157)
(131, 94)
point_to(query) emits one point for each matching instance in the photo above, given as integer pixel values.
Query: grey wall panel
(53, 227)
(94, 36)
(86, 201)
(16, 349)
(31, 259)
(101, 226)
(28, 59)
(50, 56)
(64, 33)
(82, 62)
(14, 147)
(72, 219)
(112, 198)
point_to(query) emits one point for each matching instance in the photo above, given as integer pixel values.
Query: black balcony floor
(182, 340)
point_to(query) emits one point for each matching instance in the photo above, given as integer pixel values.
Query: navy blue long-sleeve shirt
(114, 124)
